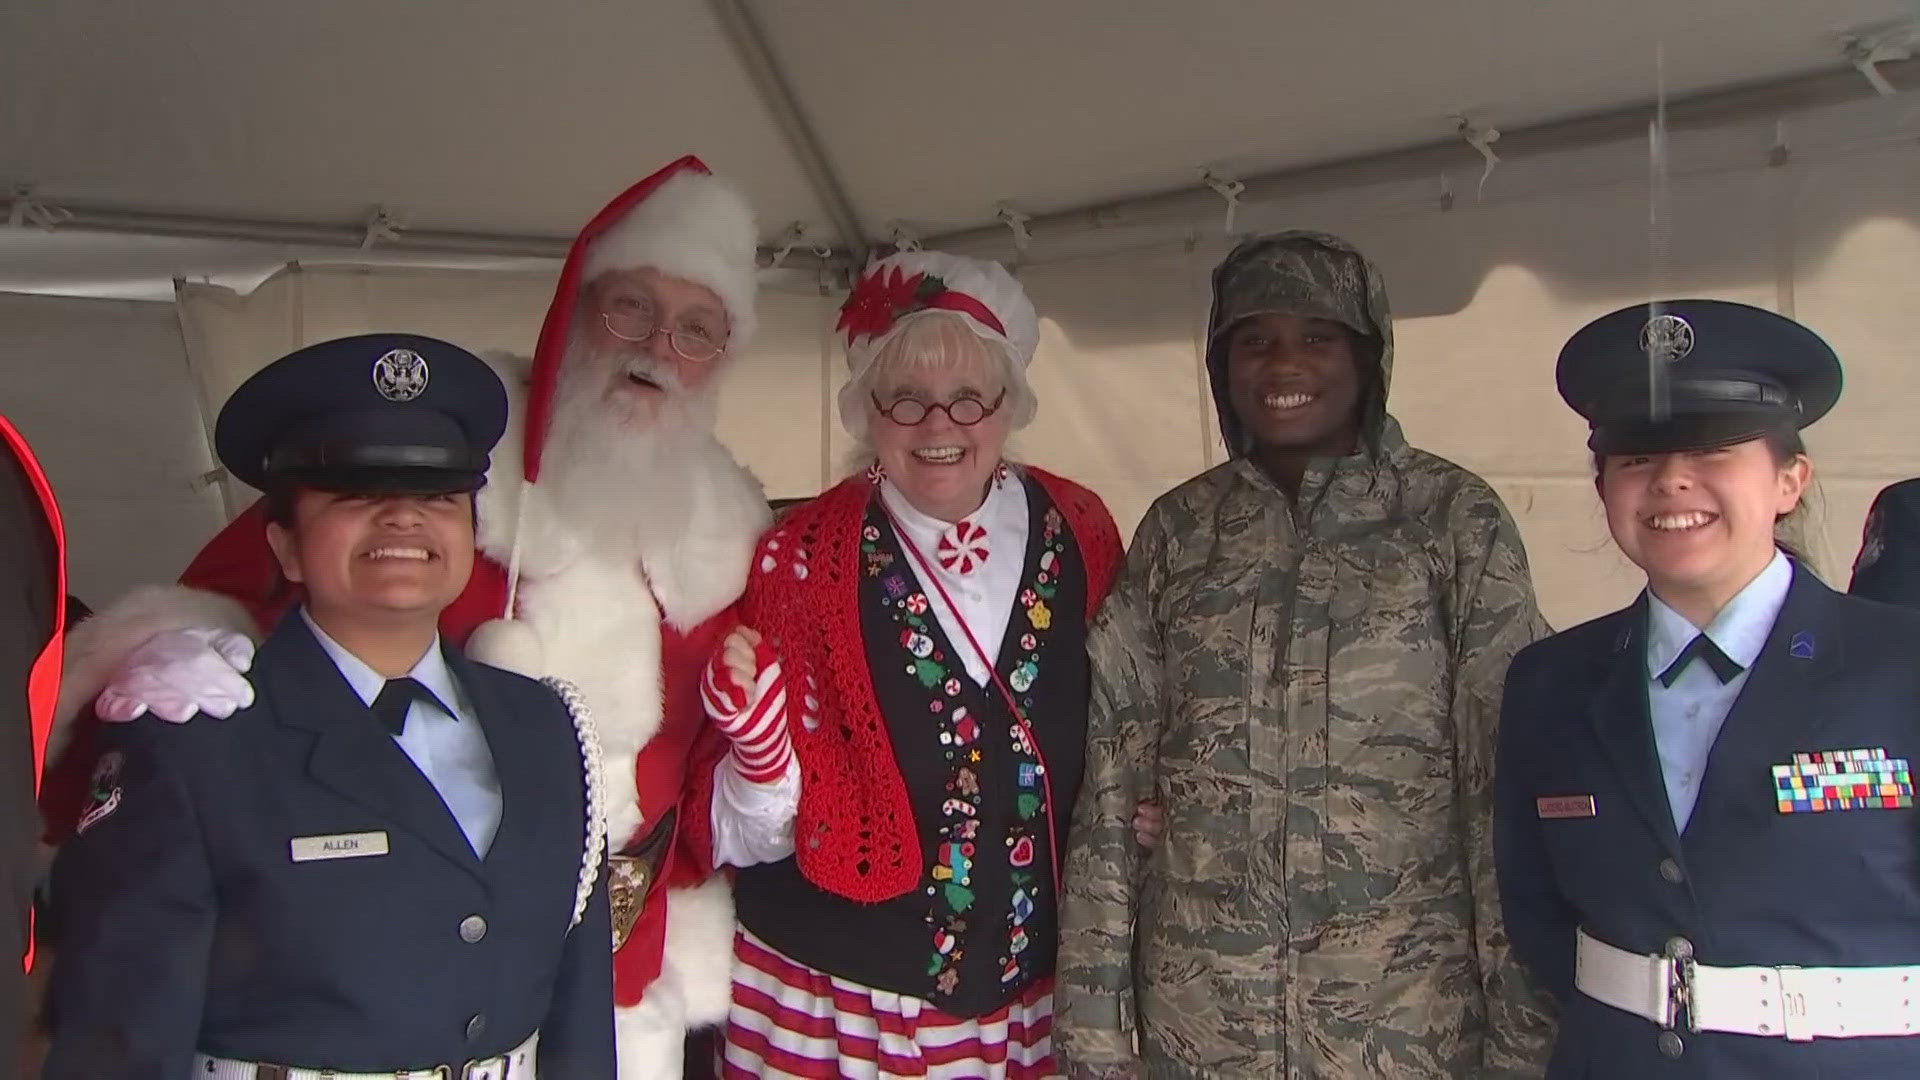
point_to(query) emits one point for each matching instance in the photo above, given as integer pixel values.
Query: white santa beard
(624, 481)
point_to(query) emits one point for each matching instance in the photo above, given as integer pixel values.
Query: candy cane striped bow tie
(963, 548)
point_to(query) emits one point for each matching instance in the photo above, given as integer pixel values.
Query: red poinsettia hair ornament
(887, 294)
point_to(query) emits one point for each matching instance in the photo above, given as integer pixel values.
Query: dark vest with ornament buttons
(981, 926)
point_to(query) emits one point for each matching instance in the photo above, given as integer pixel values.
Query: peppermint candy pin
(963, 548)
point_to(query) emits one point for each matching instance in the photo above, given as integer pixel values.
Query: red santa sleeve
(238, 563)
(695, 814)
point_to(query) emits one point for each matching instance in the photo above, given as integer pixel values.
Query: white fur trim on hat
(982, 279)
(511, 644)
(695, 226)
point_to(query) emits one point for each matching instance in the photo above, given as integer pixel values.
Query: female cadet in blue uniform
(391, 860)
(1704, 823)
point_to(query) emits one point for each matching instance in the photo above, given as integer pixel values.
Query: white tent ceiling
(509, 117)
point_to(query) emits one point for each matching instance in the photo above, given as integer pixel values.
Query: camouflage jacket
(1311, 691)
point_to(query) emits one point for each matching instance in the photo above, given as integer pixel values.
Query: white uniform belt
(515, 1064)
(1796, 1003)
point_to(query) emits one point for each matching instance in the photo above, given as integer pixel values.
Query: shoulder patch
(104, 792)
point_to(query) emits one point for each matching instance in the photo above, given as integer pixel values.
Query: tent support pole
(82, 217)
(1196, 202)
(776, 93)
(1774, 98)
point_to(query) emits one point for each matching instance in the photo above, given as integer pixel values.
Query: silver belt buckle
(493, 1068)
(1679, 954)
(1798, 1020)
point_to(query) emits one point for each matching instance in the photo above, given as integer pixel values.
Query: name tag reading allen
(357, 845)
(1564, 806)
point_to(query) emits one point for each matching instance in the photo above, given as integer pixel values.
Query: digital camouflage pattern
(1311, 693)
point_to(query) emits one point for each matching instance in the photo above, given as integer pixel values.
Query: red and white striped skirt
(789, 1020)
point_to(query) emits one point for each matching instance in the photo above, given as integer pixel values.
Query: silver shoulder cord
(596, 845)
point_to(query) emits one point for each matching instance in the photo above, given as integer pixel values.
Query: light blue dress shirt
(450, 751)
(1688, 715)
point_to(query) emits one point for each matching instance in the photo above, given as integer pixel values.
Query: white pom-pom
(510, 644)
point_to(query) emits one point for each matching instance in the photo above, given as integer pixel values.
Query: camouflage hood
(1299, 273)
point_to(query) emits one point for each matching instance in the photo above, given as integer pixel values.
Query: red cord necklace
(1019, 715)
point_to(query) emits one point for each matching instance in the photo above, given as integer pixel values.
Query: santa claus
(617, 533)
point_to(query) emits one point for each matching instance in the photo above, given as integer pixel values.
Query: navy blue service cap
(376, 413)
(1694, 374)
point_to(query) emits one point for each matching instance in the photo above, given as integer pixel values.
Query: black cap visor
(1688, 431)
(376, 450)
(383, 480)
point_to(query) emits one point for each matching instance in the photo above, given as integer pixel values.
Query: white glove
(177, 673)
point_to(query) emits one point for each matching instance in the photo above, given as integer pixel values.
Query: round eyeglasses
(966, 411)
(640, 329)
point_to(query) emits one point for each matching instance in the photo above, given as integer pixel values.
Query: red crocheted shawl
(855, 834)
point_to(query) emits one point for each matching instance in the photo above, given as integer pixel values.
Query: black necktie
(1702, 646)
(390, 708)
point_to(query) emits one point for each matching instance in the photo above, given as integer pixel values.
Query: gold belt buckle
(632, 873)
(628, 878)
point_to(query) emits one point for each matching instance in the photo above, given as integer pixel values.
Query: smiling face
(387, 558)
(1701, 522)
(1294, 384)
(941, 467)
(628, 323)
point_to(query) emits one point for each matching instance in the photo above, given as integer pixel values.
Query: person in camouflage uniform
(1301, 663)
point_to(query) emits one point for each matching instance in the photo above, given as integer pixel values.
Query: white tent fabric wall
(1485, 292)
(100, 389)
(230, 336)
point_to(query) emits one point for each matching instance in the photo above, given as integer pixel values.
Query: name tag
(1564, 806)
(357, 845)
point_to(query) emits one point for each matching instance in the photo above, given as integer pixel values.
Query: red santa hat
(682, 221)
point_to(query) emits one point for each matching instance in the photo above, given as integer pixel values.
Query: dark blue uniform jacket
(185, 921)
(1888, 569)
(1746, 884)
